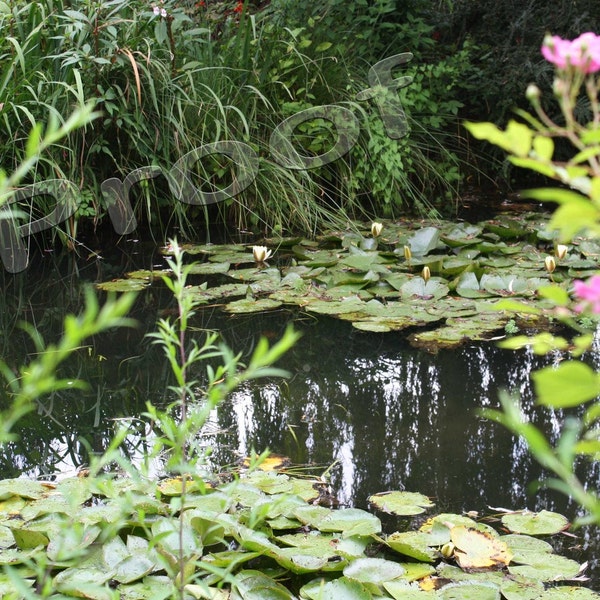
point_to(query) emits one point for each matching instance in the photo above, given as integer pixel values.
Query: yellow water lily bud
(376, 229)
(447, 550)
(550, 264)
(426, 273)
(407, 253)
(261, 253)
(561, 251)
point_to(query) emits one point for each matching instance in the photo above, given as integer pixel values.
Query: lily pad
(415, 544)
(401, 503)
(123, 285)
(551, 567)
(338, 589)
(373, 570)
(251, 305)
(535, 523)
(478, 550)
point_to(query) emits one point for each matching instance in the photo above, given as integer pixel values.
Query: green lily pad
(470, 591)
(209, 268)
(123, 285)
(251, 305)
(349, 521)
(254, 585)
(551, 567)
(521, 588)
(424, 240)
(526, 548)
(401, 503)
(338, 589)
(415, 544)
(535, 523)
(373, 570)
(569, 593)
(222, 292)
(418, 288)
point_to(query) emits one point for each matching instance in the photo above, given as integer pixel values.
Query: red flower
(239, 7)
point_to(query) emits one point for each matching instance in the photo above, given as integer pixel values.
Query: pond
(372, 411)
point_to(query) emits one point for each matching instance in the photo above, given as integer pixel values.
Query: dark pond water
(378, 414)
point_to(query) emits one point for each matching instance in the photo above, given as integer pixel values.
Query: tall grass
(169, 83)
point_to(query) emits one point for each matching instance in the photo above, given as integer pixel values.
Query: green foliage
(262, 535)
(168, 83)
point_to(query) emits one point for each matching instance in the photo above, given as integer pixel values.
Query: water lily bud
(426, 273)
(447, 550)
(376, 229)
(261, 253)
(407, 253)
(561, 251)
(532, 93)
(550, 264)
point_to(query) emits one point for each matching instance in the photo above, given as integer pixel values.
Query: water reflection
(382, 415)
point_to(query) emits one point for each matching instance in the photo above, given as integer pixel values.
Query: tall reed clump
(167, 80)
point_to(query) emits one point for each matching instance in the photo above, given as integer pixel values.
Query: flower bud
(376, 229)
(447, 550)
(550, 264)
(426, 273)
(407, 253)
(532, 93)
(561, 251)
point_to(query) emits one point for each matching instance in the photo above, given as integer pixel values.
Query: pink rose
(588, 293)
(583, 53)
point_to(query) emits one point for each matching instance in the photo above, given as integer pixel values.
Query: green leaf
(373, 570)
(401, 503)
(339, 589)
(415, 544)
(535, 523)
(570, 384)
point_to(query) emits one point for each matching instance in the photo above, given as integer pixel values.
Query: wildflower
(588, 293)
(239, 7)
(261, 253)
(156, 10)
(163, 12)
(582, 53)
(376, 229)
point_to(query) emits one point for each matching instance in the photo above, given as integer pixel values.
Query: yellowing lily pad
(478, 550)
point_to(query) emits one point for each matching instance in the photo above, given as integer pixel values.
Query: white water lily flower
(261, 253)
(550, 264)
(376, 229)
(426, 273)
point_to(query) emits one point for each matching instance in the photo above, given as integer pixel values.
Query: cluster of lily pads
(439, 280)
(266, 536)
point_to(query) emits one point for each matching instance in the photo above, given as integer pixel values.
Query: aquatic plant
(438, 281)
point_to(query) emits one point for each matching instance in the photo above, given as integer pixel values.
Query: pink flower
(589, 294)
(583, 53)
